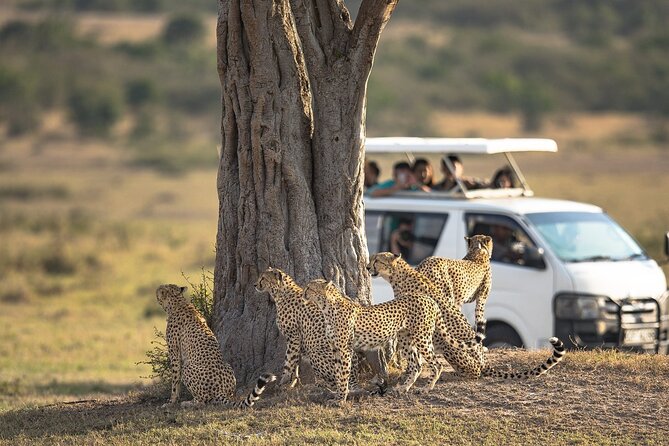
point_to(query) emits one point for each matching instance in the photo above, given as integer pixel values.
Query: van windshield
(586, 237)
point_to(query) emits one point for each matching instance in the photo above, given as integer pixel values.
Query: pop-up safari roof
(465, 146)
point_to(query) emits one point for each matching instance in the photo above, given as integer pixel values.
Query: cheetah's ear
(279, 275)
(183, 289)
(467, 239)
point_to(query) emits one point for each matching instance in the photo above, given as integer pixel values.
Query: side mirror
(534, 257)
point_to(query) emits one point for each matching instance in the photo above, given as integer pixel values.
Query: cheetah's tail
(558, 353)
(254, 396)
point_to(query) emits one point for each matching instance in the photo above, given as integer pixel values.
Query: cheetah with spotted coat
(467, 354)
(356, 328)
(303, 326)
(465, 280)
(195, 357)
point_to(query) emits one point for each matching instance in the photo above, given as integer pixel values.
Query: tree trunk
(294, 76)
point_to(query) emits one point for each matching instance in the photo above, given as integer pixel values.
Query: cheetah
(453, 335)
(195, 357)
(466, 280)
(406, 281)
(355, 327)
(303, 326)
(464, 352)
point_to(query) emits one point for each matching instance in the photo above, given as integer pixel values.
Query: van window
(509, 239)
(373, 224)
(414, 236)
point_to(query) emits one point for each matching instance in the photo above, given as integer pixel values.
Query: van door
(412, 235)
(518, 309)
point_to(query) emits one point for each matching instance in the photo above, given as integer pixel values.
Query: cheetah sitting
(195, 357)
(463, 351)
(360, 328)
(303, 326)
(466, 280)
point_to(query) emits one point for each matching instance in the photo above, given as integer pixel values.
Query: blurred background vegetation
(533, 59)
(110, 117)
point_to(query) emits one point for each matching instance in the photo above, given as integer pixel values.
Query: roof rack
(465, 146)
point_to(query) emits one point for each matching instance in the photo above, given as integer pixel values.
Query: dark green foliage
(95, 109)
(140, 92)
(202, 295)
(18, 104)
(183, 29)
(529, 58)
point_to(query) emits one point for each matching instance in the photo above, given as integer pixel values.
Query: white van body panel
(618, 280)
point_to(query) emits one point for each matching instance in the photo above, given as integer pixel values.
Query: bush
(184, 28)
(140, 92)
(18, 104)
(95, 109)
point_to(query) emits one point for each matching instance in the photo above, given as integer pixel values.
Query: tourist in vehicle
(403, 179)
(449, 183)
(422, 170)
(401, 239)
(372, 173)
(502, 179)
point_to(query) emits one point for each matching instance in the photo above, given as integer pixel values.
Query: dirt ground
(619, 398)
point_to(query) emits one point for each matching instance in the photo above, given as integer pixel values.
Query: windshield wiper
(598, 258)
(636, 255)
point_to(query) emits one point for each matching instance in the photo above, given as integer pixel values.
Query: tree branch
(372, 18)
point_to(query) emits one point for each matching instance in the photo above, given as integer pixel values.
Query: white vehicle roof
(519, 206)
(478, 146)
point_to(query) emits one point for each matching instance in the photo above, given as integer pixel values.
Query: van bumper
(640, 325)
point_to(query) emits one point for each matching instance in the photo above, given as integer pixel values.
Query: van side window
(414, 236)
(510, 241)
(373, 225)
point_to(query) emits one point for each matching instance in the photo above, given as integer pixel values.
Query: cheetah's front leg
(291, 365)
(175, 367)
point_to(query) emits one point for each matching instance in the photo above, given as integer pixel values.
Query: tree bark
(294, 76)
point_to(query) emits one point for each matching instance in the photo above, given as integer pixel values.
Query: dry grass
(78, 336)
(591, 398)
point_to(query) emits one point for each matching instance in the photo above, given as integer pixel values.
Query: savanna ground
(87, 236)
(88, 229)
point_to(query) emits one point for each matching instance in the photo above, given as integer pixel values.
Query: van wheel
(502, 336)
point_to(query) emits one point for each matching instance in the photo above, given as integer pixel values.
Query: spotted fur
(461, 347)
(195, 356)
(465, 280)
(362, 328)
(303, 326)
(453, 336)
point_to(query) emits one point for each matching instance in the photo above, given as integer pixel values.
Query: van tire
(501, 335)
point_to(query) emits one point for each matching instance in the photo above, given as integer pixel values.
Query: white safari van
(559, 268)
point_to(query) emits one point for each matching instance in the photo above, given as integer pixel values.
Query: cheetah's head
(480, 243)
(382, 264)
(169, 295)
(271, 281)
(321, 292)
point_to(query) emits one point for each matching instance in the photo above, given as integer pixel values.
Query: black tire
(502, 336)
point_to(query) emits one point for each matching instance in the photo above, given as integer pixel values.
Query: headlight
(570, 306)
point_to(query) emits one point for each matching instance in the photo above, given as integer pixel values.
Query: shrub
(18, 104)
(139, 92)
(95, 109)
(183, 28)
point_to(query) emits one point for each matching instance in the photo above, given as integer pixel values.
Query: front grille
(639, 311)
